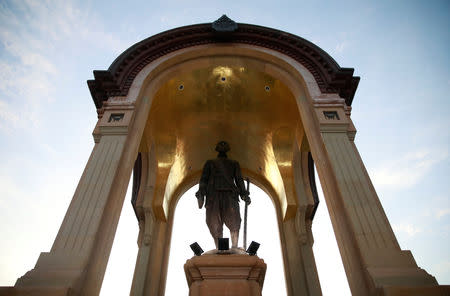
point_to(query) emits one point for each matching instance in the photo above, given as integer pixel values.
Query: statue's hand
(247, 199)
(200, 199)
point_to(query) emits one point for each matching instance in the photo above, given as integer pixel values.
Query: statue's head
(222, 147)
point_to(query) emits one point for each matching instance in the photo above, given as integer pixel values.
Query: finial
(224, 24)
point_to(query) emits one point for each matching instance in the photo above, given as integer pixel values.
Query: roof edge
(117, 80)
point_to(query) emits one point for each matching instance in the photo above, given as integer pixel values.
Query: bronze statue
(222, 184)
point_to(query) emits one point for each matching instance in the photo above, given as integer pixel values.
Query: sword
(245, 216)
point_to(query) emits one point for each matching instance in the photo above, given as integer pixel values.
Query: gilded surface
(229, 99)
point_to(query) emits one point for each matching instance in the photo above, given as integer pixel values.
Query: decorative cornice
(117, 80)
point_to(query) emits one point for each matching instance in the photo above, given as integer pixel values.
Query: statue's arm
(203, 185)
(204, 179)
(240, 183)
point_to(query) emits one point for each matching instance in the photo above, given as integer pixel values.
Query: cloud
(7, 115)
(35, 39)
(341, 46)
(23, 89)
(407, 228)
(442, 212)
(8, 189)
(441, 267)
(408, 170)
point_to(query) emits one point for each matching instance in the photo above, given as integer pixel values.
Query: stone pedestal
(225, 275)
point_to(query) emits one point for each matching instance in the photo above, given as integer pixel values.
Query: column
(371, 254)
(295, 233)
(154, 242)
(78, 257)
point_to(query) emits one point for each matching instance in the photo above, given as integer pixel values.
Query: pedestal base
(225, 275)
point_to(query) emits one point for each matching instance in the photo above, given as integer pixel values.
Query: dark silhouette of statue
(222, 184)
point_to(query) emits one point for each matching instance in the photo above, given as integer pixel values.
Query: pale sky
(48, 49)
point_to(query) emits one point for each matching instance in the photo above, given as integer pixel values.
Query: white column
(81, 249)
(371, 254)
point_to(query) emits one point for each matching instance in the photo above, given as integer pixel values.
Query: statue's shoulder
(235, 162)
(220, 161)
(232, 162)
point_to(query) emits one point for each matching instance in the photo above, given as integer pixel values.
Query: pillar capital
(113, 121)
(335, 118)
(332, 119)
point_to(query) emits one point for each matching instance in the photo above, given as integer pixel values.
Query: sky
(48, 49)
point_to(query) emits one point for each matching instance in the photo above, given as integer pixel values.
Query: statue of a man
(222, 184)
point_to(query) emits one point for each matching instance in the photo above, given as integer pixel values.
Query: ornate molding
(117, 80)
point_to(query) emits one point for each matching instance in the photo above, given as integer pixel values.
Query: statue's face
(222, 146)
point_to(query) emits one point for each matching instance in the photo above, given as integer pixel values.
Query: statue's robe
(222, 183)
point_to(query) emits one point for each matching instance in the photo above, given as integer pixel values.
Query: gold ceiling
(229, 99)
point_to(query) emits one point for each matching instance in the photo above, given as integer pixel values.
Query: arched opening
(189, 226)
(262, 228)
(195, 101)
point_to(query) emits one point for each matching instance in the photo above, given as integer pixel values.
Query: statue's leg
(214, 221)
(232, 218)
(234, 238)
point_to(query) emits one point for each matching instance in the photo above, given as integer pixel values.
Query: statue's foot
(237, 250)
(225, 252)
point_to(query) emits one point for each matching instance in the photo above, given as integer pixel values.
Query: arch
(144, 92)
(149, 80)
(117, 80)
